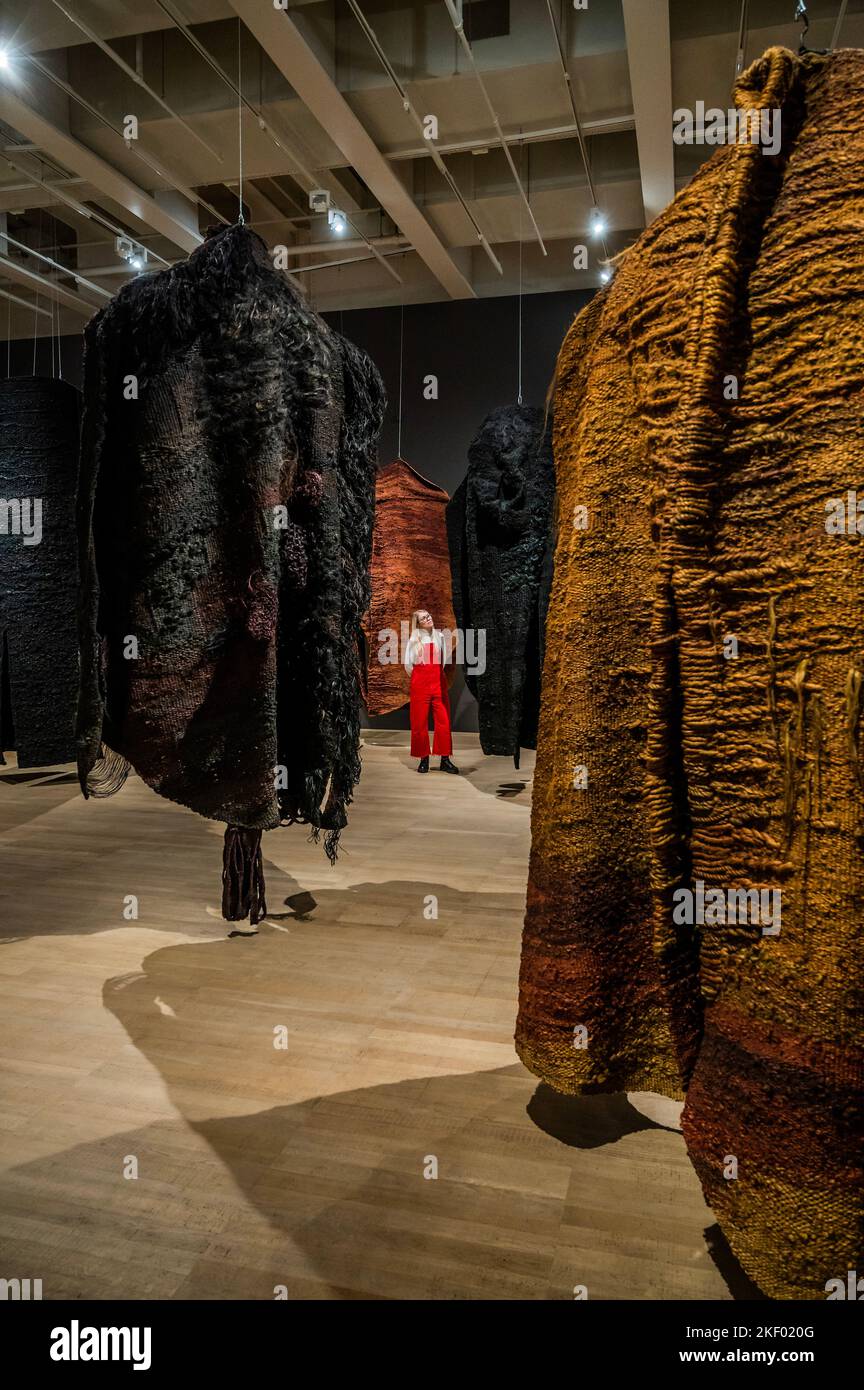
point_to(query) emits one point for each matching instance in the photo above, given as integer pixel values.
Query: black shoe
(423, 765)
(447, 766)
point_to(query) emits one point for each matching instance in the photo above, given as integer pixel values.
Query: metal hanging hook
(802, 17)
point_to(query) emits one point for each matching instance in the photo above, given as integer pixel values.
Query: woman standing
(426, 654)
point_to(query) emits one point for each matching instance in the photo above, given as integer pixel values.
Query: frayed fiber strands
(705, 645)
(499, 526)
(410, 570)
(225, 524)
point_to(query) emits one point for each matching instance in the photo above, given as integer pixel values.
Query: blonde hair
(414, 634)
(414, 623)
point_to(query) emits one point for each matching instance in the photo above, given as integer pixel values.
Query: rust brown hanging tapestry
(696, 885)
(410, 569)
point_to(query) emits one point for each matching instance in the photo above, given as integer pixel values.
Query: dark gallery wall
(471, 348)
(470, 345)
(41, 359)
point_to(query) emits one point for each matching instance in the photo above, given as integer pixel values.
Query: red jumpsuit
(428, 687)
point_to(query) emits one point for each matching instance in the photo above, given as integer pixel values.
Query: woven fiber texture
(39, 419)
(225, 522)
(499, 526)
(410, 569)
(707, 407)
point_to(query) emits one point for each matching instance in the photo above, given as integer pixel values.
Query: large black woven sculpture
(38, 568)
(225, 515)
(499, 527)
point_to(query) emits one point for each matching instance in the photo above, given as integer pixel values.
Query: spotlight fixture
(598, 223)
(605, 275)
(131, 252)
(5, 63)
(336, 220)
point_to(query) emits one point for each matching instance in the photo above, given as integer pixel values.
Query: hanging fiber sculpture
(705, 648)
(39, 421)
(225, 525)
(499, 526)
(410, 569)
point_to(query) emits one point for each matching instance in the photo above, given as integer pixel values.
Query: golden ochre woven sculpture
(704, 657)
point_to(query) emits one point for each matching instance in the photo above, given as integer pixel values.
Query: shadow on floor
(339, 1179)
(331, 1196)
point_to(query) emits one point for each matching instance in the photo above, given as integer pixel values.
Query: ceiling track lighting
(455, 12)
(131, 252)
(54, 264)
(281, 140)
(134, 75)
(580, 134)
(418, 122)
(83, 211)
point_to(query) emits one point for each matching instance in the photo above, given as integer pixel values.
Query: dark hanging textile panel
(708, 408)
(457, 546)
(39, 418)
(225, 524)
(500, 537)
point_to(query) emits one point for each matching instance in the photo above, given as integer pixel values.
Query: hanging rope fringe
(242, 876)
(854, 702)
(106, 776)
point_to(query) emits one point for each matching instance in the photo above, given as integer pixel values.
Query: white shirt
(414, 647)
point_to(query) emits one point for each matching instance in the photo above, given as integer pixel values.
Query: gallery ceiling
(137, 119)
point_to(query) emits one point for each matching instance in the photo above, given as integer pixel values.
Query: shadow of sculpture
(342, 1181)
(473, 1184)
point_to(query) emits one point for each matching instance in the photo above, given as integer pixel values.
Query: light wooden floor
(151, 1042)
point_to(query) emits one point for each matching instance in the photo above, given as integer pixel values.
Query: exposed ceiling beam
(611, 125)
(649, 56)
(309, 248)
(81, 210)
(62, 146)
(287, 144)
(134, 146)
(455, 12)
(136, 77)
(49, 184)
(54, 264)
(282, 41)
(22, 276)
(417, 120)
(350, 260)
(26, 304)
